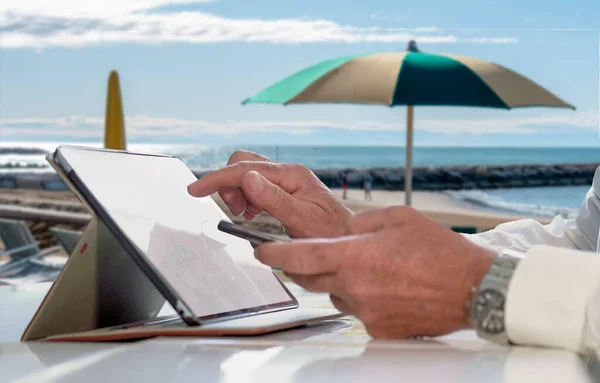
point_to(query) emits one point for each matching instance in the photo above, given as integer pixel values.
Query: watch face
(489, 311)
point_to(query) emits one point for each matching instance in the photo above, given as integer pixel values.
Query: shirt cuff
(548, 296)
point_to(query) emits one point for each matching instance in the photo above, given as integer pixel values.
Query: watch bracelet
(501, 271)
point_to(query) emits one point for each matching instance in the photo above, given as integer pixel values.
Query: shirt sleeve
(580, 232)
(553, 300)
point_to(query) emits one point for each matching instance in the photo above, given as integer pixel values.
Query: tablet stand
(99, 286)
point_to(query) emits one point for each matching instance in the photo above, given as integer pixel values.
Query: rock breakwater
(424, 178)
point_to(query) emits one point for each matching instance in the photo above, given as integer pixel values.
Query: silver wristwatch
(486, 307)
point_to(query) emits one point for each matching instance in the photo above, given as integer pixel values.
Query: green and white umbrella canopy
(409, 78)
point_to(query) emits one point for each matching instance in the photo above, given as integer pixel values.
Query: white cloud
(531, 125)
(71, 23)
(146, 126)
(78, 8)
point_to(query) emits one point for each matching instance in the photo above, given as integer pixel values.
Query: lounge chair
(20, 244)
(17, 239)
(68, 239)
(29, 270)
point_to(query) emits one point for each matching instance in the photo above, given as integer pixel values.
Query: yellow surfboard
(114, 123)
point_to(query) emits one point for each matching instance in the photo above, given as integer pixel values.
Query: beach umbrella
(409, 78)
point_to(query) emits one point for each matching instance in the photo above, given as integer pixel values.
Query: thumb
(269, 197)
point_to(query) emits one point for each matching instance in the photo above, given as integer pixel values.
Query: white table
(335, 351)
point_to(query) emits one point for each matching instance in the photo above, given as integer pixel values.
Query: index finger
(245, 155)
(231, 176)
(306, 257)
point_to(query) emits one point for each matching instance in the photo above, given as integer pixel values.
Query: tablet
(205, 274)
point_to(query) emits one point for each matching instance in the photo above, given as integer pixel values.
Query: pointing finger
(245, 155)
(323, 283)
(266, 196)
(233, 196)
(231, 176)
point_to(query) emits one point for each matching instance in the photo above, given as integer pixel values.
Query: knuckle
(316, 251)
(320, 257)
(296, 264)
(356, 288)
(357, 223)
(400, 211)
(235, 156)
(243, 155)
(353, 224)
(278, 198)
(395, 210)
(312, 259)
(298, 169)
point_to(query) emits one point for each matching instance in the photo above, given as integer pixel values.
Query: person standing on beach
(522, 283)
(367, 188)
(344, 187)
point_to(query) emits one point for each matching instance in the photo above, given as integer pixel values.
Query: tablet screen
(212, 272)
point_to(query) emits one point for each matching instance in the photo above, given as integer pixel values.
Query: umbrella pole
(409, 149)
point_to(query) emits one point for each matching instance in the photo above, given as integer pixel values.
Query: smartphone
(254, 236)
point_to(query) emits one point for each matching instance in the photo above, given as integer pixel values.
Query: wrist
(481, 261)
(486, 307)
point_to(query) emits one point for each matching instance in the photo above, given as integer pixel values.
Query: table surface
(337, 350)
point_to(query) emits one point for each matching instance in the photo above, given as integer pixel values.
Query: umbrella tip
(412, 46)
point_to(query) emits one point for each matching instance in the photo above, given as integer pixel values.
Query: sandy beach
(439, 206)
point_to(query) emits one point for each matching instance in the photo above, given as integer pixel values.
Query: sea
(538, 201)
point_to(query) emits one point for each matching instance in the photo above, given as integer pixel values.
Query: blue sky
(185, 66)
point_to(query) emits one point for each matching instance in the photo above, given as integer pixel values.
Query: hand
(399, 272)
(251, 184)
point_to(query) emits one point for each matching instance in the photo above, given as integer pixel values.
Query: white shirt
(554, 296)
